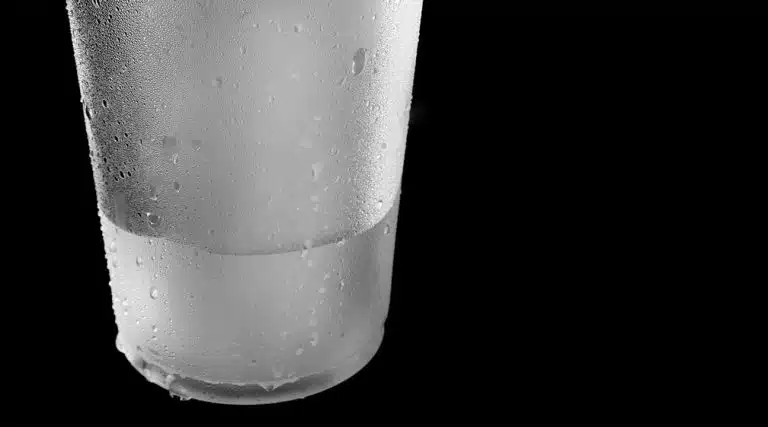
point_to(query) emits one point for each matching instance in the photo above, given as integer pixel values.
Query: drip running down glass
(247, 157)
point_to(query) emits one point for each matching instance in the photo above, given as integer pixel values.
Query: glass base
(276, 391)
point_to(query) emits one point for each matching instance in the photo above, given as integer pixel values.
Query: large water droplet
(152, 192)
(153, 292)
(358, 61)
(386, 229)
(153, 219)
(139, 261)
(169, 143)
(316, 169)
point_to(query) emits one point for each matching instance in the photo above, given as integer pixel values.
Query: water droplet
(321, 290)
(153, 292)
(169, 143)
(175, 158)
(379, 204)
(217, 82)
(152, 192)
(154, 328)
(299, 351)
(139, 261)
(386, 229)
(326, 276)
(314, 339)
(196, 144)
(113, 246)
(153, 219)
(298, 28)
(358, 61)
(125, 311)
(334, 151)
(305, 248)
(277, 370)
(176, 186)
(316, 169)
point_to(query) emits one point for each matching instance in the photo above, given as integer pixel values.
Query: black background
(576, 239)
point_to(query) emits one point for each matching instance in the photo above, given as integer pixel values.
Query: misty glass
(247, 157)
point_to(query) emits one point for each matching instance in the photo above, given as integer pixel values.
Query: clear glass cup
(247, 157)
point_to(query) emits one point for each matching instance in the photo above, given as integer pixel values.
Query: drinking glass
(247, 157)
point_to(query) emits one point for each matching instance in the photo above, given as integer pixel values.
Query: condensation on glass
(247, 157)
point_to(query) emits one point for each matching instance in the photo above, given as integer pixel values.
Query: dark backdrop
(576, 238)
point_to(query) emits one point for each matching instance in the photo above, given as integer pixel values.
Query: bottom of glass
(187, 388)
